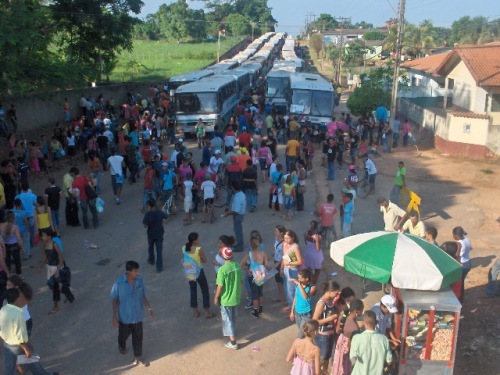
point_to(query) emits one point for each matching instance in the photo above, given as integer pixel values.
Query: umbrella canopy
(408, 261)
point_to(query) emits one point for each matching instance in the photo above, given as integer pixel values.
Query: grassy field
(158, 60)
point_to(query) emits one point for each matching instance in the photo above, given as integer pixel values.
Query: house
(373, 50)
(457, 96)
(339, 36)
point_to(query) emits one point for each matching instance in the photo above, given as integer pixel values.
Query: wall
(477, 130)
(463, 149)
(464, 90)
(425, 87)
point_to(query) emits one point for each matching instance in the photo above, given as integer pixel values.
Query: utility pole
(399, 44)
(342, 20)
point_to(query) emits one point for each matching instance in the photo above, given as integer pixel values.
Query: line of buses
(213, 93)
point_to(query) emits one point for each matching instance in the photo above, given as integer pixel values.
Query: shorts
(209, 201)
(371, 178)
(263, 164)
(288, 202)
(114, 184)
(354, 152)
(163, 131)
(278, 196)
(325, 344)
(187, 205)
(277, 277)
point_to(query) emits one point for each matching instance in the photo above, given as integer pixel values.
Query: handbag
(90, 191)
(301, 189)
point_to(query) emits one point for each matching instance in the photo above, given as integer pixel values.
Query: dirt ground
(80, 339)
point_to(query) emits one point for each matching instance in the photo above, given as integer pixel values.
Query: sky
(291, 14)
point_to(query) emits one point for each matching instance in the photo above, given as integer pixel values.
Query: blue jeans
(148, 194)
(395, 193)
(202, 281)
(230, 194)
(395, 139)
(252, 196)
(31, 221)
(289, 285)
(26, 241)
(85, 206)
(158, 242)
(326, 347)
(228, 314)
(493, 287)
(238, 231)
(384, 144)
(289, 161)
(55, 218)
(331, 171)
(300, 319)
(10, 360)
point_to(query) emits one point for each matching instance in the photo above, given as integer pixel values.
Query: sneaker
(249, 305)
(231, 346)
(255, 313)
(248, 298)
(139, 362)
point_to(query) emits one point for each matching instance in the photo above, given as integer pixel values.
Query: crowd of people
(334, 332)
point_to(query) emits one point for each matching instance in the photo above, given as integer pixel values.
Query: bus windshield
(202, 102)
(276, 87)
(322, 103)
(301, 102)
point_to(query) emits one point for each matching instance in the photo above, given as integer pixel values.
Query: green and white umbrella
(408, 261)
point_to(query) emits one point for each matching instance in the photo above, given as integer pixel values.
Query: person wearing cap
(216, 163)
(351, 181)
(370, 350)
(229, 284)
(237, 211)
(383, 312)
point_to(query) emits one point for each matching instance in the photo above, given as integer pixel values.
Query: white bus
(312, 97)
(243, 79)
(175, 82)
(278, 90)
(210, 98)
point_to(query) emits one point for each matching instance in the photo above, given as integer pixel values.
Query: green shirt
(230, 278)
(371, 351)
(400, 173)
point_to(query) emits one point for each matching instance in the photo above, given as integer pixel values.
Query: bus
(175, 82)
(210, 99)
(278, 90)
(243, 80)
(312, 97)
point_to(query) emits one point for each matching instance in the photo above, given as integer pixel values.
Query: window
(451, 83)
(495, 103)
(467, 128)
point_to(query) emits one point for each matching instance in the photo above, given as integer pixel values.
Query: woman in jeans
(54, 260)
(292, 261)
(13, 242)
(463, 253)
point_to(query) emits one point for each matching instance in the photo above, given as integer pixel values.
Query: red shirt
(327, 211)
(245, 139)
(79, 183)
(149, 179)
(199, 176)
(146, 154)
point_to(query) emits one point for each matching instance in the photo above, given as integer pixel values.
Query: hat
(226, 253)
(217, 152)
(352, 167)
(164, 164)
(243, 128)
(180, 140)
(389, 302)
(208, 176)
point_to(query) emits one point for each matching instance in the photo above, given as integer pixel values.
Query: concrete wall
(468, 130)
(463, 149)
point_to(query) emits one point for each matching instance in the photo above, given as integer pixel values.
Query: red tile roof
(469, 114)
(483, 62)
(427, 64)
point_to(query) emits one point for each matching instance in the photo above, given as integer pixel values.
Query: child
(288, 196)
(279, 233)
(188, 198)
(347, 216)
(208, 188)
(313, 258)
(224, 242)
(301, 306)
(327, 318)
(304, 353)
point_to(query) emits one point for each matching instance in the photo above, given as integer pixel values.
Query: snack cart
(429, 329)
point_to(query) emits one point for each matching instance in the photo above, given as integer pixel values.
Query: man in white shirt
(391, 213)
(372, 173)
(216, 163)
(115, 165)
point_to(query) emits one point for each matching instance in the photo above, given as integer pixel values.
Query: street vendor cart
(428, 324)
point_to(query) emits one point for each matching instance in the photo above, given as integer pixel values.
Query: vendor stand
(429, 330)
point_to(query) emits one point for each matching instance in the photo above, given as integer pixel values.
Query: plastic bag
(99, 205)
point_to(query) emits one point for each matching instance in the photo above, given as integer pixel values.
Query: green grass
(487, 171)
(157, 60)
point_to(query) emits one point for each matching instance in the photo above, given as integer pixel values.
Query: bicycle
(169, 206)
(221, 192)
(364, 186)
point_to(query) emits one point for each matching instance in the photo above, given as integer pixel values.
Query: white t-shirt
(173, 157)
(229, 140)
(272, 168)
(188, 191)
(208, 188)
(370, 166)
(115, 163)
(215, 164)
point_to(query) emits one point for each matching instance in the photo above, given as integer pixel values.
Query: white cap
(389, 302)
(217, 152)
(180, 140)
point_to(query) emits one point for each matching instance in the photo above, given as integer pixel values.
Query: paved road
(81, 339)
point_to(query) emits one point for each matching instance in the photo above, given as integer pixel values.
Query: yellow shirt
(292, 148)
(12, 325)
(195, 255)
(287, 189)
(2, 195)
(417, 230)
(67, 183)
(43, 218)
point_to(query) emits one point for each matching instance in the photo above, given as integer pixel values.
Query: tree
(316, 43)
(238, 24)
(93, 32)
(374, 35)
(375, 89)
(172, 20)
(364, 25)
(324, 22)
(354, 53)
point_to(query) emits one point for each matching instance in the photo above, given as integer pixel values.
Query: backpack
(191, 268)
(258, 272)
